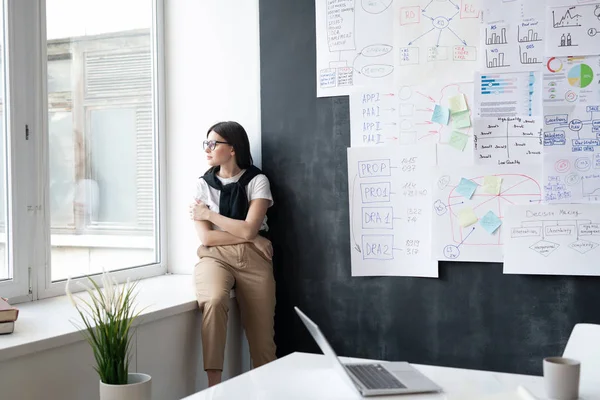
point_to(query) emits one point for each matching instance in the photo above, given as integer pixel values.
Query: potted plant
(107, 314)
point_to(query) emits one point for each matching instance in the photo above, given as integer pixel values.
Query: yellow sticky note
(492, 184)
(457, 103)
(466, 217)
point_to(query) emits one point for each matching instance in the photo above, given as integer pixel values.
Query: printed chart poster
(469, 208)
(573, 30)
(436, 40)
(552, 239)
(572, 80)
(508, 94)
(390, 224)
(354, 45)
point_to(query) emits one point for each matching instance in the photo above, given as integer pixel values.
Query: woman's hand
(264, 245)
(199, 211)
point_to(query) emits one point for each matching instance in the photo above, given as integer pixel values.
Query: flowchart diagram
(572, 155)
(573, 30)
(456, 238)
(431, 36)
(354, 45)
(557, 240)
(383, 118)
(389, 224)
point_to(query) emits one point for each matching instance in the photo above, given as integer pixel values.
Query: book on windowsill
(7, 327)
(8, 313)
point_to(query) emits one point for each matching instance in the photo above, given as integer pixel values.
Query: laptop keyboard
(374, 376)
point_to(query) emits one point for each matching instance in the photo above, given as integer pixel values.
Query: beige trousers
(220, 269)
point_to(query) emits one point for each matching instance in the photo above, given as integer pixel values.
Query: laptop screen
(325, 347)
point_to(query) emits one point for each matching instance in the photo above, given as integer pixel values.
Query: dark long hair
(235, 135)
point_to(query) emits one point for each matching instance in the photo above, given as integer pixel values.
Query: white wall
(168, 349)
(212, 74)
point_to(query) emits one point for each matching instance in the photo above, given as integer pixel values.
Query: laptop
(373, 379)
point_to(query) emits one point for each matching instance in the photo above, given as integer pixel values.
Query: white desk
(309, 376)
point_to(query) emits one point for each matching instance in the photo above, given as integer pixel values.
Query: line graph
(567, 20)
(573, 31)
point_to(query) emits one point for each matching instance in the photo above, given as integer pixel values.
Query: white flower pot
(137, 388)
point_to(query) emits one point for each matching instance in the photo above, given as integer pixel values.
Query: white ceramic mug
(561, 378)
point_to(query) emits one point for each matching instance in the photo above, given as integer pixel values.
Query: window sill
(47, 324)
(108, 241)
(98, 241)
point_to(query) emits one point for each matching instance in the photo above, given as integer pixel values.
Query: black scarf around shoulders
(233, 201)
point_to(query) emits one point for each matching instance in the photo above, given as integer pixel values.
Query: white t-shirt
(257, 188)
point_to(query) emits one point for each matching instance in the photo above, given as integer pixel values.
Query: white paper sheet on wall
(508, 140)
(436, 40)
(390, 223)
(514, 45)
(572, 154)
(458, 193)
(354, 45)
(571, 80)
(556, 3)
(508, 94)
(552, 239)
(573, 30)
(383, 118)
(509, 10)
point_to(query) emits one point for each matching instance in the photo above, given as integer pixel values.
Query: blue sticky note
(490, 222)
(441, 115)
(466, 188)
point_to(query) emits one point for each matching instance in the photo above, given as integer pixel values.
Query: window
(102, 136)
(94, 189)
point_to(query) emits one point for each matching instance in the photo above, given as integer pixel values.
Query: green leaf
(107, 318)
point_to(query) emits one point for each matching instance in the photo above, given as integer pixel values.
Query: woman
(229, 213)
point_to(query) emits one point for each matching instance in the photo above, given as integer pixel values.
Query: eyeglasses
(211, 144)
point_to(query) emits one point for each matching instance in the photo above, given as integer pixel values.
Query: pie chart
(580, 76)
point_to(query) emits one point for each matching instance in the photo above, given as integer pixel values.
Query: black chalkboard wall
(473, 316)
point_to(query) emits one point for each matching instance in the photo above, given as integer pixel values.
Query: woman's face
(222, 152)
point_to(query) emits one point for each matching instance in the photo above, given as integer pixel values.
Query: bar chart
(526, 56)
(526, 35)
(495, 59)
(495, 37)
(498, 84)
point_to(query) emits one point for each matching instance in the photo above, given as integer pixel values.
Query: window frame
(36, 265)
(18, 106)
